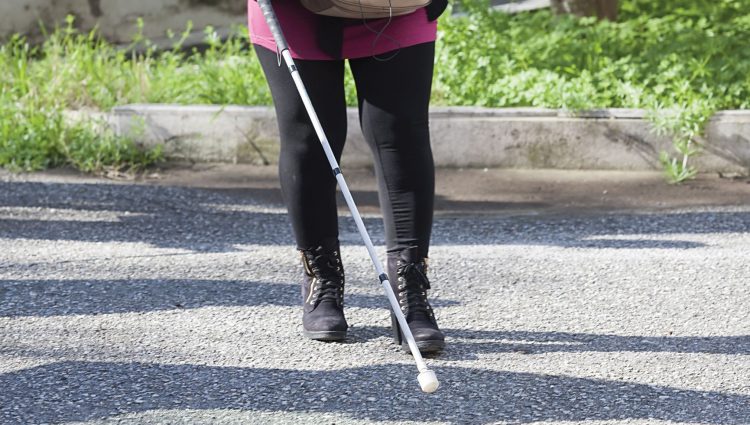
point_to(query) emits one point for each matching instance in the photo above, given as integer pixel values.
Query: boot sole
(425, 347)
(325, 335)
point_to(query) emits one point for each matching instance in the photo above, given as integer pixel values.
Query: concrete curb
(610, 139)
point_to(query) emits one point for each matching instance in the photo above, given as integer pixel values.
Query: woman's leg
(394, 99)
(309, 187)
(307, 183)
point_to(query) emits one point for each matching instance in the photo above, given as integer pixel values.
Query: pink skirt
(360, 40)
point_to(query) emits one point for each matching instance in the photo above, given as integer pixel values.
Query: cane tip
(428, 381)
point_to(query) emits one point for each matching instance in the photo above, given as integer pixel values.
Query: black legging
(393, 97)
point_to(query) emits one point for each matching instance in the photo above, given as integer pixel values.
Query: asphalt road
(133, 303)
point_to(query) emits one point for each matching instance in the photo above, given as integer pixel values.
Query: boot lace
(329, 277)
(413, 285)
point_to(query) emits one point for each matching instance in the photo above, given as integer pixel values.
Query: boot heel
(396, 330)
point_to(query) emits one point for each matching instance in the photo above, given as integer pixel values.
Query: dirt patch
(462, 191)
(494, 191)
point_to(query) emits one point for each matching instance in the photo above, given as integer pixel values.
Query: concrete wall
(117, 18)
(611, 139)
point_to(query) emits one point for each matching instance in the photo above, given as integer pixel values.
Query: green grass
(681, 61)
(34, 137)
(34, 133)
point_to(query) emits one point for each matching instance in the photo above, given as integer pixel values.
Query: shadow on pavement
(164, 217)
(83, 391)
(466, 344)
(44, 298)
(206, 221)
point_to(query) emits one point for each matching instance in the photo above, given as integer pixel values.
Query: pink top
(298, 25)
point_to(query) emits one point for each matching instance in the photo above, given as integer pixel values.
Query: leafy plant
(685, 124)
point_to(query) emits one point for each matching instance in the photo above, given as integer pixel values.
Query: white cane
(427, 379)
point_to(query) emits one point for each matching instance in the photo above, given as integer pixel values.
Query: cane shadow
(46, 298)
(73, 391)
(464, 344)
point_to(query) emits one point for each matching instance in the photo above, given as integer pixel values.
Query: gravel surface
(125, 303)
